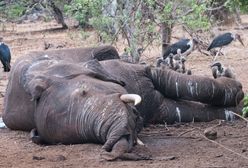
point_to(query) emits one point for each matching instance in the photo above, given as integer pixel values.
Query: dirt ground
(179, 145)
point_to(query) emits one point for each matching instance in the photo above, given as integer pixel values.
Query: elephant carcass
(160, 91)
(16, 93)
(80, 103)
(168, 96)
(77, 54)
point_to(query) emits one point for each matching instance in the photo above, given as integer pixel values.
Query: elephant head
(80, 103)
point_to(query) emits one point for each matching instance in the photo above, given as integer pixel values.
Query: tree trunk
(166, 36)
(129, 29)
(58, 15)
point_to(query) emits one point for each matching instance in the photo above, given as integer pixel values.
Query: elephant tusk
(2, 125)
(128, 98)
(140, 142)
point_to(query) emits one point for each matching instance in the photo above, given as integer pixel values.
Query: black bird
(223, 40)
(218, 70)
(183, 48)
(5, 56)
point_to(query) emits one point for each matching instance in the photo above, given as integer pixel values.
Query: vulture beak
(240, 41)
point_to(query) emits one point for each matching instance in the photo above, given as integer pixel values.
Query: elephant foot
(35, 137)
(121, 151)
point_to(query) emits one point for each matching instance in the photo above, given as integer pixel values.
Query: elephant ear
(95, 69)
(105, 53)
(36, 86)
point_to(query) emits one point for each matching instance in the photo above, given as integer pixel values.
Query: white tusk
(2, 125)
(139, 142)
(128, 98)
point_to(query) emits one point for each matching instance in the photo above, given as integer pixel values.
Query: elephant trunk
(220, 92)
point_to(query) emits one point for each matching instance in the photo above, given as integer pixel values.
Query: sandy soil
(180, 145)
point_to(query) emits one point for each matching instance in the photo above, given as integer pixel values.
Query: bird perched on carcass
(169, 62)
(182, 68)
(159, 62)
(5, 56)
(223, 40)
(182, 48)
(218, 70)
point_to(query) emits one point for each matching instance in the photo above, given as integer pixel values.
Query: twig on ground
(190, 130)
(187, 131)
(230, 150)
(224, 147)
(240, 117)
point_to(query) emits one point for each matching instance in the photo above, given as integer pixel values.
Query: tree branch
(185, 14)
(217, 8)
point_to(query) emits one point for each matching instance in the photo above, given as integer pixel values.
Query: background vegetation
(140, 22)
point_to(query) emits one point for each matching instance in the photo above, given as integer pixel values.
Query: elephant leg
(219, 92)
(121, 151)
(172, 111)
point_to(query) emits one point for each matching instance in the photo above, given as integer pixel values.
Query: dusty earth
(179, 145)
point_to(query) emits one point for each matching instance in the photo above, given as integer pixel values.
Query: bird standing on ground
(182, 48)
(224, 40)
(5, 56)
(218, 70)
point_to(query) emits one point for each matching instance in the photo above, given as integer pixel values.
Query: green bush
(83, 10)
(245, 108)
(14, 11)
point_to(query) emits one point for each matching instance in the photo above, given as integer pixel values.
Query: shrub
(245, 108)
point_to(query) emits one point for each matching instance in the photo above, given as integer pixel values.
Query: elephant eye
(83, 92)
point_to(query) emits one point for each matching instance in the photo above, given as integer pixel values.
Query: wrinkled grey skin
(16, 117)
(167, 95)
(74, 104)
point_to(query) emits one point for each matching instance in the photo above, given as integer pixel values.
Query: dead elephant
(81, 102)
(77, 103)
(167, 96)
